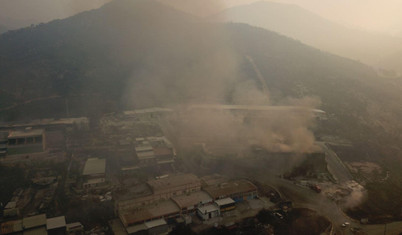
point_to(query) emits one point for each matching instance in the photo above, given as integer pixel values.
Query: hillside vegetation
(135, 54)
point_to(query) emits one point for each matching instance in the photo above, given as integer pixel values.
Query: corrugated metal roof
(94, 166)
(224, 201)
(145, 155)
(230, 188)
(26, 133)
(11, 205)
(143, 148)
(34, 221)
(56, 222)
(192, 199)
(154, 211)
(159, 185)
(155, 223)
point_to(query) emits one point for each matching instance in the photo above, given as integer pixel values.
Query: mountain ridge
(295, 22)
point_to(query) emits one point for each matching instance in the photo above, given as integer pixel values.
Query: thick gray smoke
(357, 195)
(229, 131)
(189, 75)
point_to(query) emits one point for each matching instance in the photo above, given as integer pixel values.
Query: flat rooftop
(26, 133)
(56, 222)
(230, 188)
(145, 155)
(193, 199)
(224, 201)
(34, 221)
(161, 151)
(208, 208)
(161, 209)
(46, 122)
(213, 180)
(160, 185)
(143, 148)
(94, 166)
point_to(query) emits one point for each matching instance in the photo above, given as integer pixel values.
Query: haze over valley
(117, 114)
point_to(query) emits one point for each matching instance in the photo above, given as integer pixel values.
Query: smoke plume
(196, 76)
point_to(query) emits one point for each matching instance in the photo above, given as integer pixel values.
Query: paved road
(335, 166)
(306, 198)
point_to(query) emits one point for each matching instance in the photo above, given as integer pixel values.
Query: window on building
(30, 140)
(38, 139)
(21, 140)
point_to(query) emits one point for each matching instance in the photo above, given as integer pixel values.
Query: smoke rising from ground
(356, 197)
(207, 70)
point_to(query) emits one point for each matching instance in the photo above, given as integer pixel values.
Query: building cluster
(32, 137)
(149, 152)
(41, 225)
(179, 197)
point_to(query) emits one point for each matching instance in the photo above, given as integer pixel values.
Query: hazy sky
(45, 10)
(378, 15)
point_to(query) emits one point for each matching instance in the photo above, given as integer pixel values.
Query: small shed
(225, 204)
(209, 211)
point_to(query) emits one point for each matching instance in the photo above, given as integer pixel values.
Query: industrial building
(178, 195)
(162, 189)
(26, 141)
(175, 185)
(49, 123)
(188, 203)
(56, 225)
(163, 209)
(94, 173)
(238, 190)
